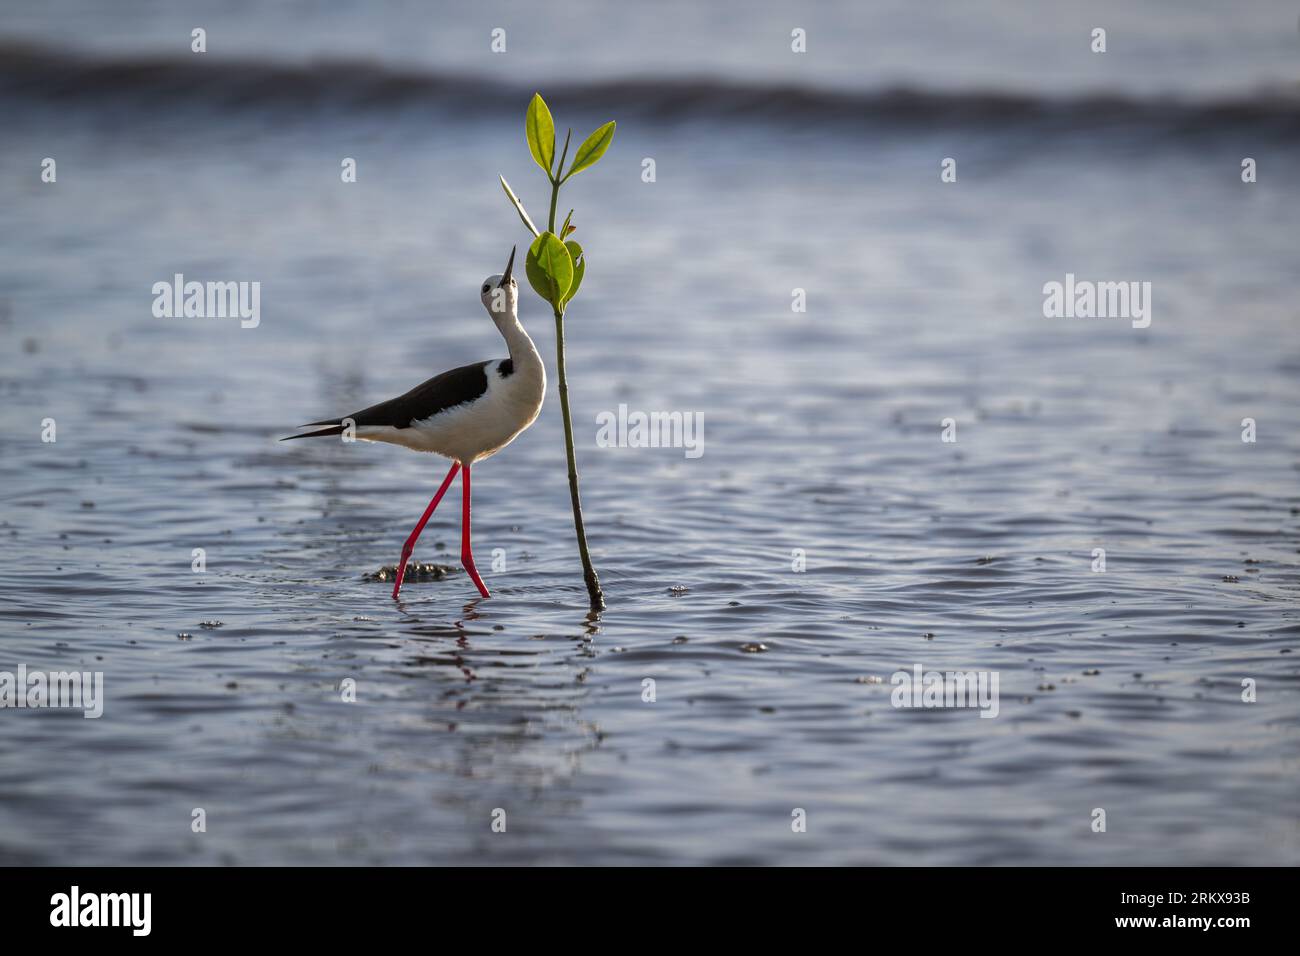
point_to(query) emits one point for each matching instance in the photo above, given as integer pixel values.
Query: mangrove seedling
(555, 267)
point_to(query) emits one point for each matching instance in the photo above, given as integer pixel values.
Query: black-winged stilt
(466, 414)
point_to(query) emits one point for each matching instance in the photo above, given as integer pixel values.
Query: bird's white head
(500, 293)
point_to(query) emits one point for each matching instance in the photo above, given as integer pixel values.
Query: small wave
(43, 74)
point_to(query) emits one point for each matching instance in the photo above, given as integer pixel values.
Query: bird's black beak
(510, 266)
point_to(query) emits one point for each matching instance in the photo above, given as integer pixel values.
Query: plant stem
(594, 592)
(555, 195)
(555, 185)
(588, 572)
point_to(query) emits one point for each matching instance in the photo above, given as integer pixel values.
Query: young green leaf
(540, 130)
(559, 167)
(519, 207)
(579, 268)
(592, 148)
(550, 268)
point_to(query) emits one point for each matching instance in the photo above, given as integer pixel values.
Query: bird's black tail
(320, 433)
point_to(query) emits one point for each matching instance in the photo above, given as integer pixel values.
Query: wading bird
(466, 414)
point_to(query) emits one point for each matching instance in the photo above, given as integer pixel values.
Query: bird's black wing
(452, 388)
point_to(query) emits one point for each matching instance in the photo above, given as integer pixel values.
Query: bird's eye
(513, 283)
(486, 287)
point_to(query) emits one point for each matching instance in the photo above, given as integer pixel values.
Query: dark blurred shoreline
(32, 73)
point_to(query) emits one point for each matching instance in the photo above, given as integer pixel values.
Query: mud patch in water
(415, 571)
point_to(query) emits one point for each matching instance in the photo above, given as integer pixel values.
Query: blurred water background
(775, 171)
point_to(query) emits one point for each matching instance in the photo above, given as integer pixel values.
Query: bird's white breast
(480, 428)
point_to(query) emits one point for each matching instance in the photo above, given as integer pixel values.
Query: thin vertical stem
(594, 592)
(555, 184)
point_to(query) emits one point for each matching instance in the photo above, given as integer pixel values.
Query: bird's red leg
(428, 513)
(466, 551)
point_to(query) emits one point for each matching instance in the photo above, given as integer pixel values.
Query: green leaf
(540, 130)
(519, 207)
(550, 268)
(559, 167)
(592, 148)
(579, 268)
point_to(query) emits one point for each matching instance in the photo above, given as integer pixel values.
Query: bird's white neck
(522, 350)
